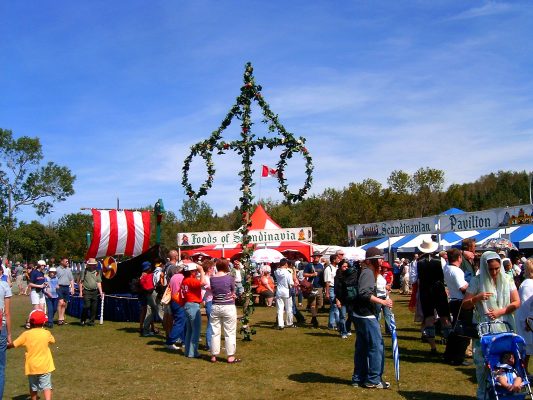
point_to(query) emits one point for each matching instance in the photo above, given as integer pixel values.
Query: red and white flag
(268, 172)
(119, 232)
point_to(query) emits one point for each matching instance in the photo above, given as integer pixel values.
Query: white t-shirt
(283, 282)
(329, 274)
(455, 279)
(381, 286)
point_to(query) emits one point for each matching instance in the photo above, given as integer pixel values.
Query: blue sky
(118, 91)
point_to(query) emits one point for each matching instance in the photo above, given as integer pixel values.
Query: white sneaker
(349, 334)
(344, 337)
(172, 347)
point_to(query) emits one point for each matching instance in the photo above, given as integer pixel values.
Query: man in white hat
(432, 292)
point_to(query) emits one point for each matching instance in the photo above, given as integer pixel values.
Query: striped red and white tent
(119, 232)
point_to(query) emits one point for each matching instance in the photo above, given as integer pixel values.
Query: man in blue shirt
(314, 272)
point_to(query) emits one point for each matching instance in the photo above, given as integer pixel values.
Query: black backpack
(351, 284)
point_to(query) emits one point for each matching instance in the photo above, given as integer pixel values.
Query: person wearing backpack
(344, 271)
(329, 291)
(369, 355)
(160, 285)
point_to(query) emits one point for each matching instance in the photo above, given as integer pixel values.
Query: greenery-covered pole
(159, 210)
(246, 148)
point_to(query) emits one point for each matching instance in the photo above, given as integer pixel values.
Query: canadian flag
(268, 172)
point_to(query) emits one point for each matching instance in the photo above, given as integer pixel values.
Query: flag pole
(261, 179)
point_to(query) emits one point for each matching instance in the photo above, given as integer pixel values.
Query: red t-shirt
(192, 290)
(388, 276)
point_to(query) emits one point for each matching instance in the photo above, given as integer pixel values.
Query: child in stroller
(506, 374)
(503, 354)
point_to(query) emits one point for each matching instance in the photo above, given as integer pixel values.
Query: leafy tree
(197, 215)
(33, 241)
(399, 181)
(25, 182)
(72, 235)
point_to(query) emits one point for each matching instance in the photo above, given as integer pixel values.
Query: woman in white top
(526, 309)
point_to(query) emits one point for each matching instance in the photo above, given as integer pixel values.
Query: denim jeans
(177, 332)
(386, 314)
(194, 327)
(342, 321)
(208, 329)
(51, 308)
(3, 348)
(369, 355)
(333, 310)
(349, 318)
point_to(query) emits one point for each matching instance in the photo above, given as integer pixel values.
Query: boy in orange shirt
(39, 362)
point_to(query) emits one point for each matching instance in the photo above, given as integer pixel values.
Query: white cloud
(488, 9)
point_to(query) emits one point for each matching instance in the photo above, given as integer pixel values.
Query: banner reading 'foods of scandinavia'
(402, 227)
(234, 237)
(488, 219)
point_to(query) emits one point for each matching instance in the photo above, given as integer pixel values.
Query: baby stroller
(497, 338)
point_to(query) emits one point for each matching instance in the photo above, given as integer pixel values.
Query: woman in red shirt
(191, 289)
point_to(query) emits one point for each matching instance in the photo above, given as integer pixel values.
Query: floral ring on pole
(283, 188)
(206, 152)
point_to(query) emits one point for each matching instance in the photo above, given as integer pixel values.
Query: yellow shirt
(38, 355)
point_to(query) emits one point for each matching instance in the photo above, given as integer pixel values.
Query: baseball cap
(38, 317)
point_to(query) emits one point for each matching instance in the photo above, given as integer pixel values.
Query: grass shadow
(129, 329)
(265, 324)
(420, 395)
(470, 372)
(315, 377)
(322, 333)
(416, 355)
(414, 338)
(20, 397)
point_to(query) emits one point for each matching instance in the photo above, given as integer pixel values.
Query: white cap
(41, 262)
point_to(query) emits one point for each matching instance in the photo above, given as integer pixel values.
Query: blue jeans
(369, 355)
(386, 314)
(342, 321)
(194, 327)
(333, 310)
(51, 308)
(177, 332)
(208, 330)
(3, 349)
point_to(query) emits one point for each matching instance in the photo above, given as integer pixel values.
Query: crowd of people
(446, 288)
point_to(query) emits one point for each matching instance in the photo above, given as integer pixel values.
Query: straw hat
(428, 246)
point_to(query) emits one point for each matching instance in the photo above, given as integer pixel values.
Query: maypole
(246, 147)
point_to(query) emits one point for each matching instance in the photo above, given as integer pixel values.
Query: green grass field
(112, 361)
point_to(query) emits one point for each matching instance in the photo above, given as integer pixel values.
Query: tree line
(404, 196)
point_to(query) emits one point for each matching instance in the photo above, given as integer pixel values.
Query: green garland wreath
(248, 143)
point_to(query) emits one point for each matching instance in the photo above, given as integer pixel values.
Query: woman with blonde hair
(525, 311)
(493, 295)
